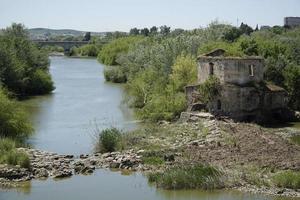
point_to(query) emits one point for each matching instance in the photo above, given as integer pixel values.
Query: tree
(145, 31)
(20, 60)
(165, 30)
(134, 31)
(87, 36)
(245, 29)
(232, 34)
(153, 30)
(184, 71)
(292, 83)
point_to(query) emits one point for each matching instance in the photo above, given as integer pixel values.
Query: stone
(63, 174)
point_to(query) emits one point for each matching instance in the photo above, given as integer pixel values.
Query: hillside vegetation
(156, 64)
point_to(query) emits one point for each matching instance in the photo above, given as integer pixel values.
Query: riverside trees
(149, 63)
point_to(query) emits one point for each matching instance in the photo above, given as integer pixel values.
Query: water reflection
(65, 120)
(111, 185)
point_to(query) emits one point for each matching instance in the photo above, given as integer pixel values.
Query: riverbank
(248, 155)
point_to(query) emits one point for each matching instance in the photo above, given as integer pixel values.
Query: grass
(153, 160)
(296, 139)
(287, 179)
(188, 177)
(110, 140)
(9, 154)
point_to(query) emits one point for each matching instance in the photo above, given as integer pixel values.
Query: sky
(121, 15)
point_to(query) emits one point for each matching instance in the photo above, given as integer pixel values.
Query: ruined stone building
(243, 93)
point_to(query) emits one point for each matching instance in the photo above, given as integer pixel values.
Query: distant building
(291, 21)
(243, 95)
(265, 27)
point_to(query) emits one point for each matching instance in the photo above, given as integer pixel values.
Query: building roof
(219, 54)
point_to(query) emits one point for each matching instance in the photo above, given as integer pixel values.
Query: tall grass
(9, 154)
(188, 177)
(288, 179)
(109, 140)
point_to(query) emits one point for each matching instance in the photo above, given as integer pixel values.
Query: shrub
(110, 52)
(115, 75)
(287, 179)
(22, 63)
(210, 89)
(13, 120)
(188, 177)
(184, 71)
(6, 145)
(9, 154)
(109, 140)
(40, 83)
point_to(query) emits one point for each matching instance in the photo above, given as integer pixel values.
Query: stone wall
(247, 103)
(230, 70)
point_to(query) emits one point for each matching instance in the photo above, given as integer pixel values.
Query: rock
(114, 165)
(82, 156)
(41, 173)
(280, 191)
(63, 174)
(14, 173)
(69, 156)
(140, 151)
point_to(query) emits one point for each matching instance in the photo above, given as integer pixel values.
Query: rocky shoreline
(200, 133)
(47, 164)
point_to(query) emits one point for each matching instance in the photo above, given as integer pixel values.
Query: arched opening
(211, 68)
(219, 105)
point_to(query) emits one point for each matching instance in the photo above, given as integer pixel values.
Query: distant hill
(42, 33)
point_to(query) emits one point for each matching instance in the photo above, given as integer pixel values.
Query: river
(65, 122)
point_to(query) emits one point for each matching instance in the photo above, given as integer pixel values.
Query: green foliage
(40, 83)
(287, 179)
(20, 60)
(90, 50)
(188, 177)
(292, 83)
(153, 160)
(13, 120)
(232, 34)
(112, 50)
(157, 67)
(9, 154)
(184, 71)
(50, 49)
(209, 89)
(115, 74)
(109, 139)
(231, 49)
(163, 106)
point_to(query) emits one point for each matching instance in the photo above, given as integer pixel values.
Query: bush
(22, 63)
(9, 154)
(188, 177)
(40, 83)
(13, 120)
(115, 75)
(109, 140)
(184, 71)
(109, 53)
(209, 89)
(287, 179)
